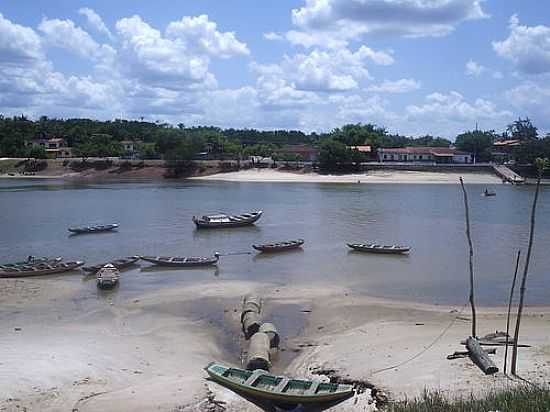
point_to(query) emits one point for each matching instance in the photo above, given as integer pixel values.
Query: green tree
(37, 152)
(522, 129)
(333, 155)
(477, 142)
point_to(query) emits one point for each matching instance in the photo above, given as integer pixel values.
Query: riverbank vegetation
(520, 399)
(178, 143)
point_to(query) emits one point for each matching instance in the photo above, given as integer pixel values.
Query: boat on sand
(121, 263)
(377, 248)
(225, 221)
(279, 246)
(263, 385)
(183, 261)
(40, 270)
(107, 277)
(32, 261)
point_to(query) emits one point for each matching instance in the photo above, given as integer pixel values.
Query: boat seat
(279, 388)
(313, 388)
(255, 375)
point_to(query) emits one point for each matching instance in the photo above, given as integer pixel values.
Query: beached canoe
(279, 246)
(263, 385)
(377, 248)
(32, 262)
(93, 229)
(224, 221)
(182, 261)
(39, 270)
(121, 263)
(107, 277)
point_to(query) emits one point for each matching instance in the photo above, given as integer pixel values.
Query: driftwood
(497, 343)
(258, 352)
(480, 357)
(251, 324)
(465, 353)
(271, 332)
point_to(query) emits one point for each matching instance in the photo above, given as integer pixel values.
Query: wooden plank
(480, 357)
(281, 386)
(255, 375)
(313, 388)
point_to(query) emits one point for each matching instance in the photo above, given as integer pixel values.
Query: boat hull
(37, 271)
(118, 263)
(279, 246)
(160, 262)
(34, 262)
(278, 397)
(201, 223)
(380, 250)
(93, 229)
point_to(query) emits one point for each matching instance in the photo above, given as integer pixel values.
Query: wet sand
(379, 176)
(146, 352)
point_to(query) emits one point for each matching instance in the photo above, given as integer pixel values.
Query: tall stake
(509, 310)
(472, 301)
(540, 164)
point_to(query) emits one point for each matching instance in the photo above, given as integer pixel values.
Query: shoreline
(111, 353)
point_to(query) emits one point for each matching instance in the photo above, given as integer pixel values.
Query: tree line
(95, 138)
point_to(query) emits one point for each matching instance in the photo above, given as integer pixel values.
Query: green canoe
(263, 385)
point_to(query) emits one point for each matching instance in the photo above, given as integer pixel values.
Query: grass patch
(521, 399)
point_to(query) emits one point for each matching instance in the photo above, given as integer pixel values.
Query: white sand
(386, 176)
(147, 353)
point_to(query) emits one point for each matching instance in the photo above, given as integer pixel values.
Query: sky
(416, 67)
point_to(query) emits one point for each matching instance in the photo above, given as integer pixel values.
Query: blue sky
(413, 66)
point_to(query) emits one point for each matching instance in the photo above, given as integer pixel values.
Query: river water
(155, 219)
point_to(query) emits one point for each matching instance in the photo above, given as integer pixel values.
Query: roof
(511, 142)
(56, 140)
(434, 151)
(364, 148)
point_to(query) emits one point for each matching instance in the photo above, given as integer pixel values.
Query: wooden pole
(471, 258)
(509, 310)
(540, 165)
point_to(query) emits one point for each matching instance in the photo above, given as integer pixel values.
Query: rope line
(437, 338)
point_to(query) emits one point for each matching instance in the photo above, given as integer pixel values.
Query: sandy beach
(385, 176)
(147, 352)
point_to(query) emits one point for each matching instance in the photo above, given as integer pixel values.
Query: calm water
(155, 218)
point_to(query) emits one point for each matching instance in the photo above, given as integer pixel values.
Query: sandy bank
(147, 352)
(387, 176)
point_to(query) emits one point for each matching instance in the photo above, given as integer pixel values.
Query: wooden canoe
(182, 261)
(33, 262)
(279, 246)
(224, 221)
(263, 385)
(377, 248)
(117, 263)
(93, 229)
(107, 277)
(487, 193)
(40, 270)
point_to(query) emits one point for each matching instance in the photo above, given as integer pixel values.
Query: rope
(437, 338)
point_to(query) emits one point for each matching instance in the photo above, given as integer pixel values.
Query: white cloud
(527, 47)
(474, 69)
(64, 34)
(347, 19)
(532, 99)
(198, 34)
(18, 44)
(95, 21)
(397, 86)
(273, 36)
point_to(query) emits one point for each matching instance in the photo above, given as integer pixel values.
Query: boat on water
(40, 269)
(488, 193)
(107, 277)
(183, 261)
(93, 229)
(377, 248)
(121, 263)
(32, 261)
(279, 246)
(222, 220)
(279, 389)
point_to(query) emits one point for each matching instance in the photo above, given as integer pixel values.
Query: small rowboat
(117, 263)
(107, 277)
(263, 385)
(93, 229)
(376, 248)
(279, 246)
(183, 261)
(32, 262)
(221, 221)
(488, 193)
(39, 270)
